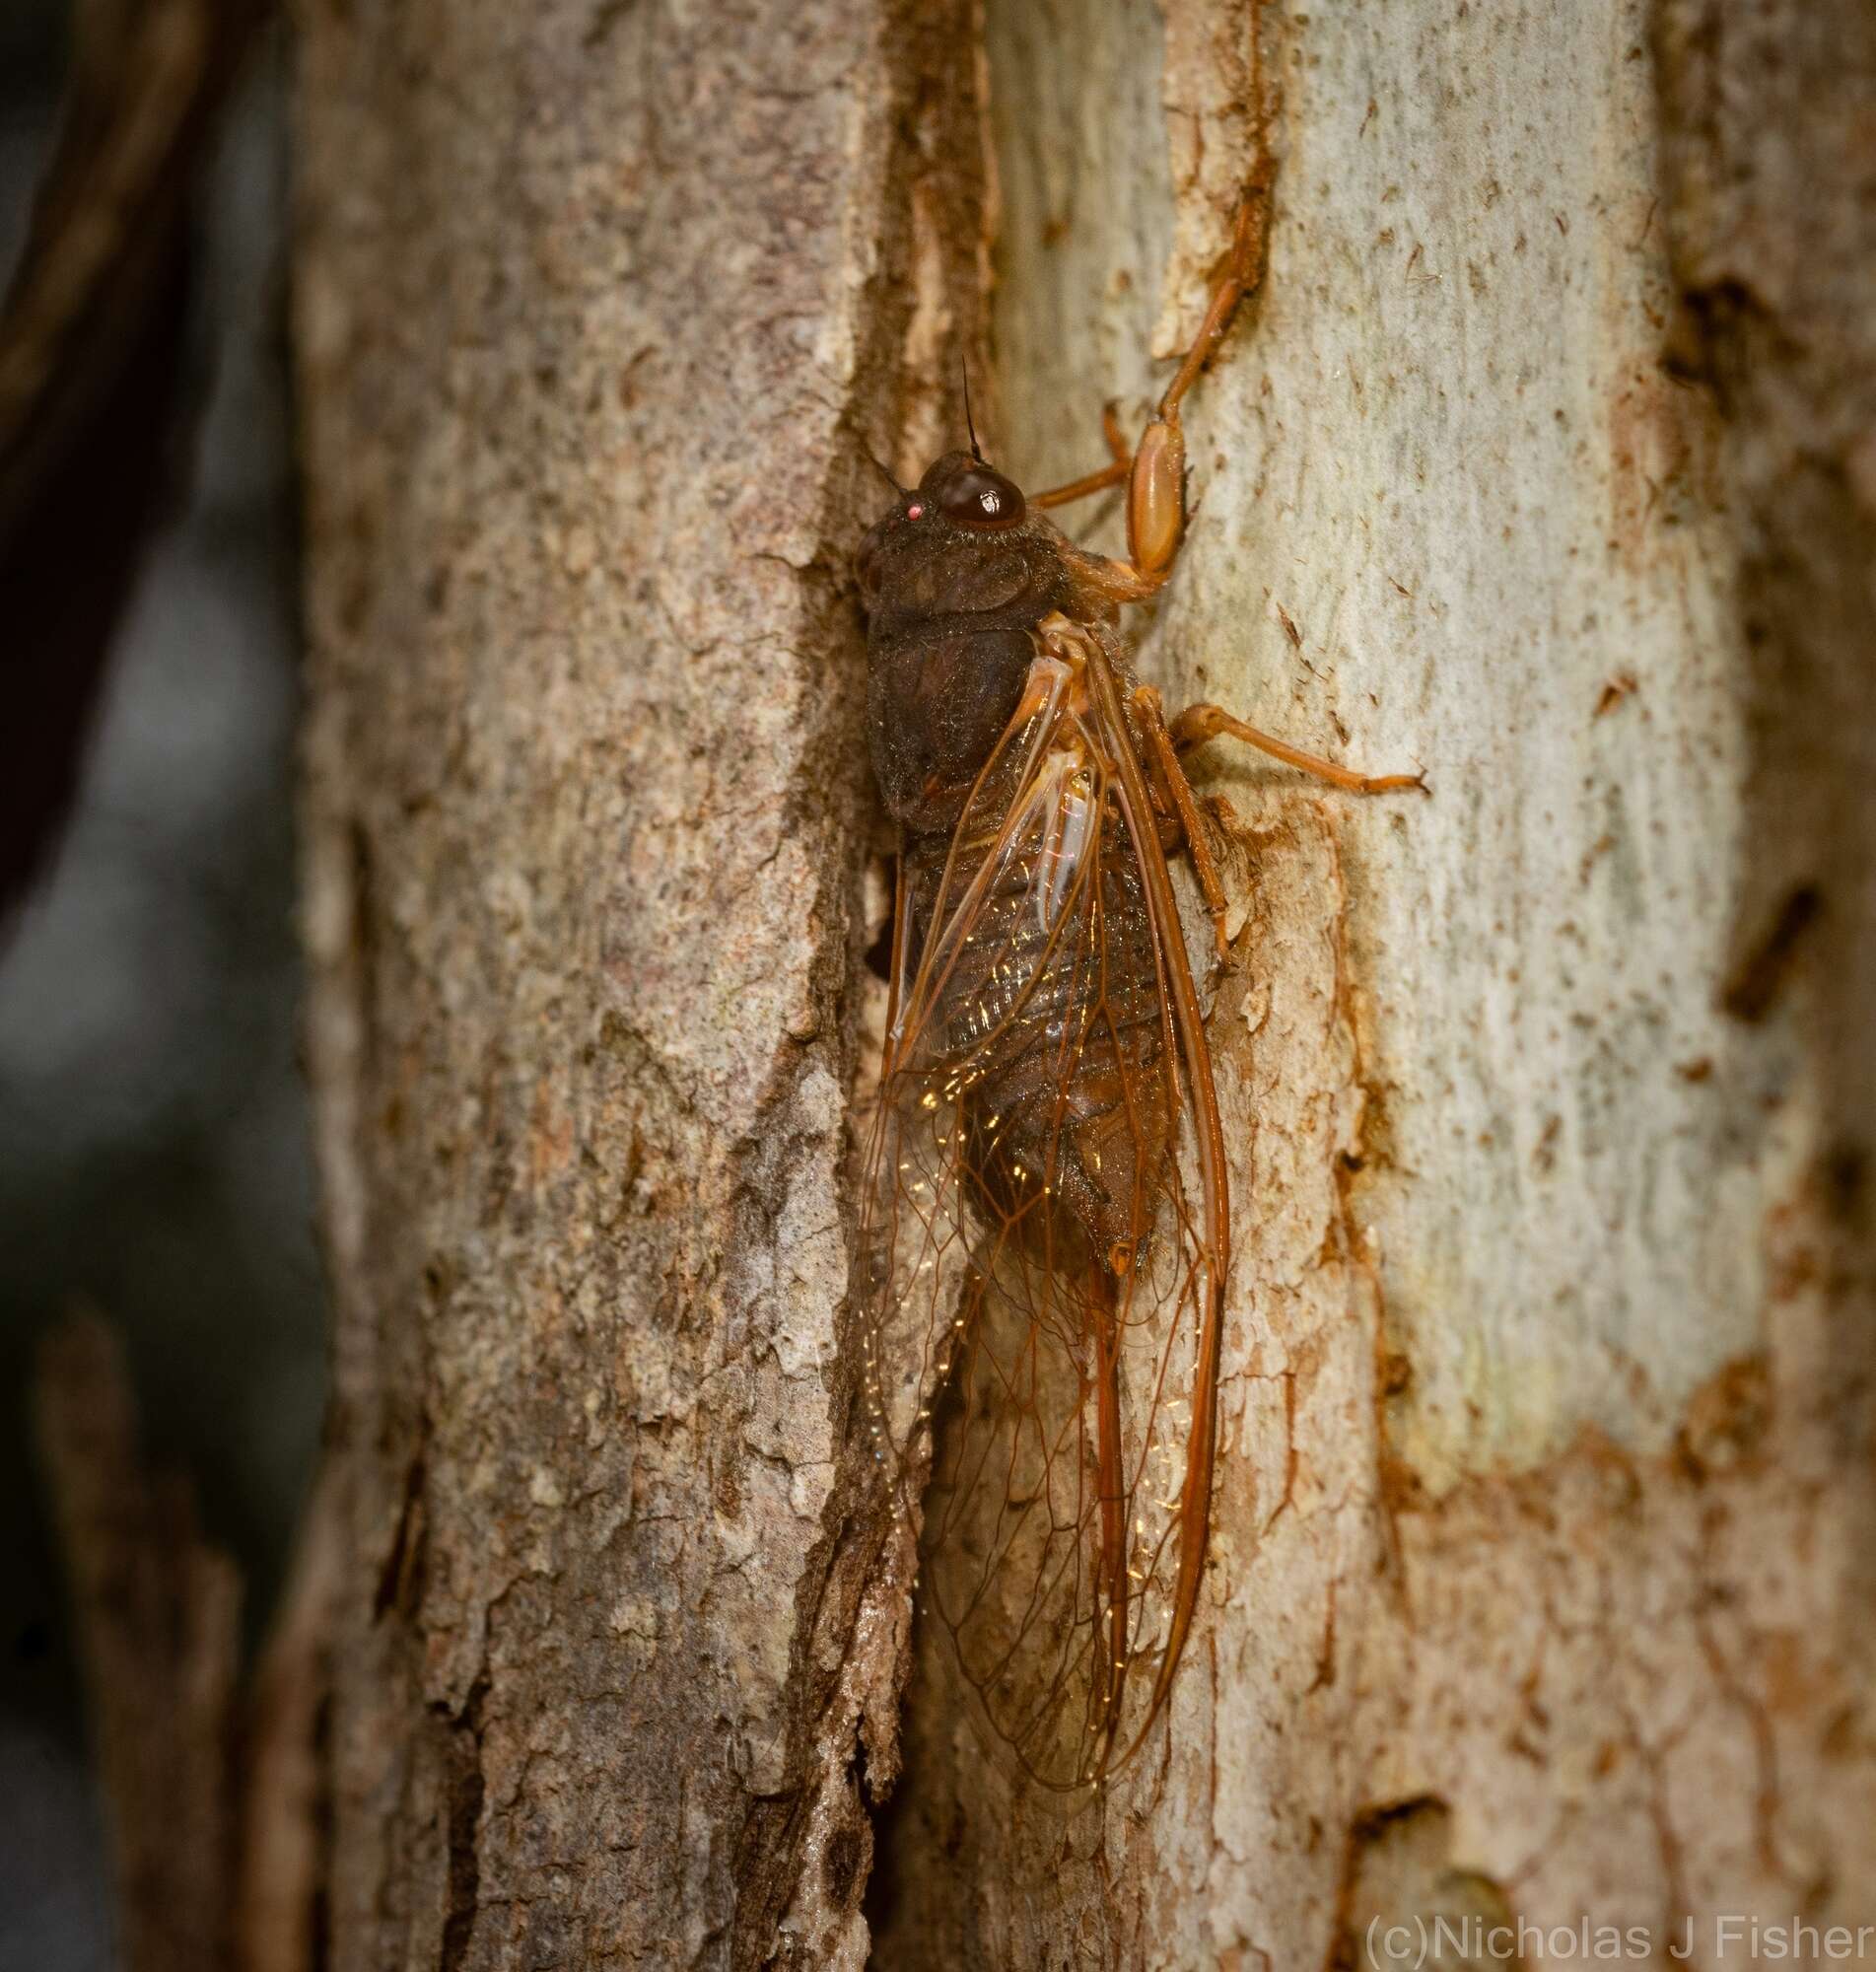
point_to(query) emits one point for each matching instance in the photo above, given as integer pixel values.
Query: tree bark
(598, 309)
(1539, 1582)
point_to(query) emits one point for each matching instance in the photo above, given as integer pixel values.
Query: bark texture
(1541, 1573)
(599, 309)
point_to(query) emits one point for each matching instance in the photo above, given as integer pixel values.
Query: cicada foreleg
(1157, 491)
(1155, 471)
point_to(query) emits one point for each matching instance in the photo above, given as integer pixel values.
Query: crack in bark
(462, 1834)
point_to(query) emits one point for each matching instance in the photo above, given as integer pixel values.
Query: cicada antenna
(970, 423)
(886, 472)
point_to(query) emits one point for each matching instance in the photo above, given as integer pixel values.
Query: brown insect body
(956, 616)
(1045, 1048)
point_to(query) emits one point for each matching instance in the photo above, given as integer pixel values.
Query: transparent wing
(1046, 1236)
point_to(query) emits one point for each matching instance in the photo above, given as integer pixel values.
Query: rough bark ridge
(599, 307)
(1540, 1583)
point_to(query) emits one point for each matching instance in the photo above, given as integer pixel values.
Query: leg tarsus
(1243, 272)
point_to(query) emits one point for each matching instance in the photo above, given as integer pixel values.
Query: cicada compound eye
(981, 497)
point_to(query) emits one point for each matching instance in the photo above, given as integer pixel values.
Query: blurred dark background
(154, 1145)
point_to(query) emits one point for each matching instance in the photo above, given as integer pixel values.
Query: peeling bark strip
(158, 1617)
(212, 1785)
(1540, 1582)
(598, 310)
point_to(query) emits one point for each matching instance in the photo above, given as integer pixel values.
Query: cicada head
(962, 542)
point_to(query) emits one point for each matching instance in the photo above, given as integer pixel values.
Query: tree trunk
(1540, 1582)
(597, 307)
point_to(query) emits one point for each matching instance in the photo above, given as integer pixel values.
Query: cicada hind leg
(1171, 790)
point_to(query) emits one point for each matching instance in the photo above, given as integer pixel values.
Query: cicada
(1046, 1208)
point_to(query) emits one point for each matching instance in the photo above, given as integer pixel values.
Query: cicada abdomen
(1047, 1233)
